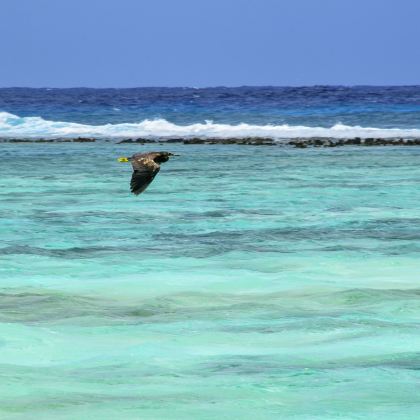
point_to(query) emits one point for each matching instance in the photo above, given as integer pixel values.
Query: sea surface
(213, 112)
(247, 282)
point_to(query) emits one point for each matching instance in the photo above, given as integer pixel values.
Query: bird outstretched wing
(144, 171)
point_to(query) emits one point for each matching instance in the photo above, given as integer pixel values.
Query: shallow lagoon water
(246, 282)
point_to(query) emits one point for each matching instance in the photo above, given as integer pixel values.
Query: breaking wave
(15, 126)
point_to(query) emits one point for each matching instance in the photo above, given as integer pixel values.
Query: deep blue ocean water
(217, 112)
(247, 282)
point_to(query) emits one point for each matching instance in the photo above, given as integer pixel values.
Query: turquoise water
(246, 282)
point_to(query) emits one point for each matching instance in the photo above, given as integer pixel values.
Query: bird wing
(144, 171)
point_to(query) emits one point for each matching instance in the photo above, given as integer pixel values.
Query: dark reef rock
(299, 143)
(42, 140)
(137, 141)
(356, 141)
(84, 140)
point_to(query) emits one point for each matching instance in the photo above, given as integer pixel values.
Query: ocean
(216, 112)
(247, 282)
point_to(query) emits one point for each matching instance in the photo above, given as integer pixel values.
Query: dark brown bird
(145, 167)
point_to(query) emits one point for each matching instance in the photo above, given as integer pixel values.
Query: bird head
(162, 157)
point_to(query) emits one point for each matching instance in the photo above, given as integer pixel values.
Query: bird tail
(123, 159)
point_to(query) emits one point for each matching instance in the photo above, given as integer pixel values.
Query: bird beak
(123, 159)
(173, 154)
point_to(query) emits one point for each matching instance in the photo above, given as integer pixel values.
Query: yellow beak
(123, 159)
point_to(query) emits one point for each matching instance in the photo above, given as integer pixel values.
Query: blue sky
(125, 43)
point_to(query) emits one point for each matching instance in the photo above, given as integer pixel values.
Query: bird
(145, 167)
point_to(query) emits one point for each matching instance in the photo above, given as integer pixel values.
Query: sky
(200, 43)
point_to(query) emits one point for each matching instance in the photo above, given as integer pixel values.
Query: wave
(15, 126)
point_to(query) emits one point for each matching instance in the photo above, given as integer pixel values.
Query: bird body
(145, 167)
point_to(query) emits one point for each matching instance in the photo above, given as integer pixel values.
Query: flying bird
(145, 167)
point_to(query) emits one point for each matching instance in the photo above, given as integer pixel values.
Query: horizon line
(214, 87)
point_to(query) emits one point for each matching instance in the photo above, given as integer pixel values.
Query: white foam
(14, 126)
